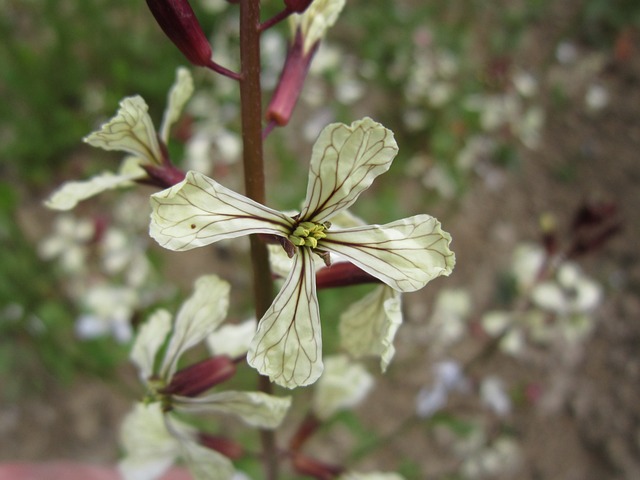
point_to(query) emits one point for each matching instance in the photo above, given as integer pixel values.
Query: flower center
(307, 234)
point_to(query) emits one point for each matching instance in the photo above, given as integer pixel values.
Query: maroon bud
(165, 176)
(201, 376)
(179, 23)
(343, 274)
(297, 6)
(306, 429)
(223, 445)
(311, 467)
(291, 82)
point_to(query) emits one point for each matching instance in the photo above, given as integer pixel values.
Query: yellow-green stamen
(307, 234)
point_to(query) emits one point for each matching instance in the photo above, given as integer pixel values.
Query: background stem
(251, 110)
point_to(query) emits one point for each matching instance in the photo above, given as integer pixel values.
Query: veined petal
(344, 163)
(316, 20)
(368, 326)
(198, 317)
(199, 211)
(206, 464)
(131, 130)
(150, 338)
(254, 408)
(179, 94)
(150, 448)
(288, 344)
(70, 193)
(405, 254)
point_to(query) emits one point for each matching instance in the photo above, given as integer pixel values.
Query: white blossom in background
(131, 130)
(68, 244)
(500, 458)
(153, 437)
(596, 98)
(494, 395)
(405, 254)
(343, 385)
(449, 377)
(569, 293)
(448, 322)
(526, 264)
(232, 340)
(107, 310)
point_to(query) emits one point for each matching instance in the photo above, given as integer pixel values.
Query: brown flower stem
(251, 111)
(276, 19)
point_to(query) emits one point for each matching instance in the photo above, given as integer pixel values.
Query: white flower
(448, 323)
(314, 22)
(573, 292)
(107, 309)
(131, 131)
(153, 438)
(405, 254)
(68, 243)
(343, 385)
(493, 395)
(449, 377)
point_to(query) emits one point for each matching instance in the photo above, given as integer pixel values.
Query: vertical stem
(251, 110)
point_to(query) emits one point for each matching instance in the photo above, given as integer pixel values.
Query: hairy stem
(251, 110)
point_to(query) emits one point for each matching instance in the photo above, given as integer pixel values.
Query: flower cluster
(405, 254)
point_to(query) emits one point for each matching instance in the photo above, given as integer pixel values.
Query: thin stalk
(251, 111)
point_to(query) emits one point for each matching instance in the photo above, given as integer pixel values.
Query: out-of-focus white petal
(316, 20)
(405, 254)
(180, 93)
(70, 193)
(368, 326)
(494, 396)
(288, 344)
(254, 408)
(131, 130)
(344, 163)
(206, 464)
(232, 340)
(149, 447)
(199, 211)
(150, 338)
(344, 384)
(198, 317)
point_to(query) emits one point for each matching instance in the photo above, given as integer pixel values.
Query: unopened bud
(200, 377)
(311, 467)
(179, 23)
(342, 274)
(297, 6)
(291, 82)
(223, 445)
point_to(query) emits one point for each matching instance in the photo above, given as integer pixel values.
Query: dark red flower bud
(291, 82)
(311, 467)
(306, 429)
(201, 376)
(179, 23)
(342, 274)
(223, 445)
(164, 176)
(297, 6)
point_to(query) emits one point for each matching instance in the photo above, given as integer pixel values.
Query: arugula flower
(131, 130)
(153, 435)
(405, 254)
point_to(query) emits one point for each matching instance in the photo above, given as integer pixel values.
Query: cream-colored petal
(149, 447)
(344, 163)
(316, 20)
(70, 193)
(179, 95)
(343, 385)
(288, 344)
(198, 317)
(254, 408)
(368, 326)
(405, 254)
(131, 130)
(206, 464)
(232, 340)
(150, 338)
(199, 211)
